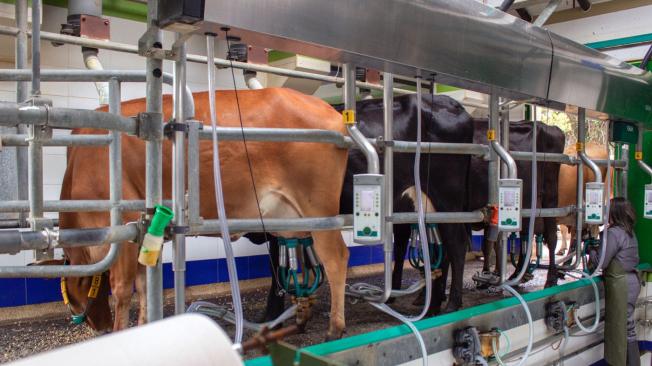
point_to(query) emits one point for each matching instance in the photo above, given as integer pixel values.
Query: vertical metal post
(115, 157)
(388, 161)
(504, 136)
(35, 147)
(22, 93)
(624, 155)
(154, 171)
(579, 220)
(178, 184)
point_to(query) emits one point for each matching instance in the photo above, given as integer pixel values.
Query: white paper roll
(189, 339)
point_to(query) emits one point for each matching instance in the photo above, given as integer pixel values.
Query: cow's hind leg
(401, 238)
(458, 242)
(141, 292)
(334, 255)
(275, 302)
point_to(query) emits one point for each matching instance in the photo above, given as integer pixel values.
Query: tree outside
(597, 130)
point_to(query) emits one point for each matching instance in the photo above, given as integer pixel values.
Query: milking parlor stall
(369, 182)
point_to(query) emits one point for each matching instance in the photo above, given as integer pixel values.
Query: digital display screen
(367, 200)
(509, 198)
(648, 197)
(593, 197)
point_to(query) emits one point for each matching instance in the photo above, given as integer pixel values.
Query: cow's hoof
(450, 308)
(332, 336)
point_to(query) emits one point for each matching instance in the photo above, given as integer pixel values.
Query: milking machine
(435, 247)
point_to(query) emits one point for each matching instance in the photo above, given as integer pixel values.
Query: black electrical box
(180, 13)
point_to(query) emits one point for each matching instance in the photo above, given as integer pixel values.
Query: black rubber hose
(506, 5)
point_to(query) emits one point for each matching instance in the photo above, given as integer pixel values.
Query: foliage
(597, 130)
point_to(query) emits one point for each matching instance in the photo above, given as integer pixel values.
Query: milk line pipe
(115, 158)
(178, 182)
(153, 156)
(134, 76)
(581, 116)
(22, 93)
(507, 158)
(133, 49)
(373, 164)
(36, 47)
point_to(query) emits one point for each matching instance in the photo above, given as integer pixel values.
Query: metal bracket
(556, 316)
(171, 127)
(150, 126)
(147, 47)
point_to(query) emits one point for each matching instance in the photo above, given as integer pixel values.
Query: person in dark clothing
(622, 285)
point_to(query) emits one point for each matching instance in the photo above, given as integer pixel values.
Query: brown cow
(568, 188)
(292, 180)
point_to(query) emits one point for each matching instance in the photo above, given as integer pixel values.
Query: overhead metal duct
(465, 43)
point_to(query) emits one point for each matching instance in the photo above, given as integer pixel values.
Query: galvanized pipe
(22, 93)
(178, 184)
(75, 235)
(13, 241)
(115, 160)
(87, 7)
(36, 47)
(388, 165)
(154, 169)
(136, 76)
(493, 170)
(77, 205)
(59, 140)
(12, 114)
(373, 163)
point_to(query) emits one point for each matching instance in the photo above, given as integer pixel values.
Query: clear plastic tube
(219, 197)
(423, 238)
(529, 320)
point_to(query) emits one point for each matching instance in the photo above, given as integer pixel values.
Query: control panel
(509, 204)
(593, 203)
(368, 208)
(647, 204)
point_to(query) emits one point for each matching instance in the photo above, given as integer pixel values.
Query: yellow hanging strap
(95, 286)
(64, 291)
(348, 116)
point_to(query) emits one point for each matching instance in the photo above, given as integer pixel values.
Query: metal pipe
(624, 172)
(77, 205)
(13, 241)
(136, 76)
(388, 169)
(154, 171)
(13, 114)
(546, 13)
(36, 47)
(639, 150)
(584, 4)
(59, 140)
(373, 163)
(506, 4)
(550, 212)
(504, 134)
(178, 184)
(252, 81)
(84, 236)
(507, 158)
(581, 121)
(115, 159)
(22, 93)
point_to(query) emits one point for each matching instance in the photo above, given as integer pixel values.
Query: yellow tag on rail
(348, 116)
(491, 135)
